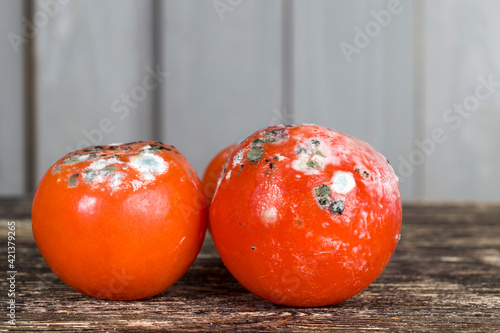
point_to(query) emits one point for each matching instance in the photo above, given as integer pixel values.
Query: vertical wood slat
(30, 107)
(461, 51)
(286, 113)
(224, 60)
(12, 128)
(157, 31)
(418, 129)
(94, 76)
(367, 92)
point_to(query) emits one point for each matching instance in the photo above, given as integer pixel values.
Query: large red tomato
(120, 222)
(306, 216)
(213, 171)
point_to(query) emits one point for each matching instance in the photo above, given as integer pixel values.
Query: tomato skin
(304, 216)
(120, 222)
(213, 171)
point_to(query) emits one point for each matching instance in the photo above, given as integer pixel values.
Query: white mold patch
(313, 155)
(116, 180)
(136, 184)
(86, 204)
(270, 215)
(228, 174)
(147, 176)
(103, 163)
(343, 182)
(336, 244)
(76, 158)
(238, 158)
(102, 171)
(149, 163)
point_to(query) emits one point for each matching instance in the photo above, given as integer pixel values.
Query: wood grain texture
(443, 277)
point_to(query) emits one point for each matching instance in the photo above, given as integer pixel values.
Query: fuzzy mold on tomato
(122, 221)
(306, 216)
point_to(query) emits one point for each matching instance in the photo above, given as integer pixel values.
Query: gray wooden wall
(419, 80)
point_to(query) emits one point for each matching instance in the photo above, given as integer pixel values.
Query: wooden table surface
(443, 277)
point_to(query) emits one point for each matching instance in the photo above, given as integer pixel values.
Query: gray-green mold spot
(155, 148)
(312, 164)
(56, 169)
(73, 180)
(322, 194)
(257, 150)
(322, 191)
(275, 135)
(255, 154)
(72, 159)
(109, 168)
(89, 175)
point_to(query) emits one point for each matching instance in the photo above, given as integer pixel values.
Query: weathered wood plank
(443, 277)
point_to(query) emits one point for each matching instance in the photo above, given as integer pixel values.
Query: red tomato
(120, 222)
(213, 171)
(306, 216)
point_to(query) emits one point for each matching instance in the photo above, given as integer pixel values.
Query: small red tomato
(120, 222)
(306, 216)
(213, 171)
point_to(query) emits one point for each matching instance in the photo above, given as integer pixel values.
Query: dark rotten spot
(323, 202)
(322, 194)
(364, 173)
(300, 150)
(336, 207)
